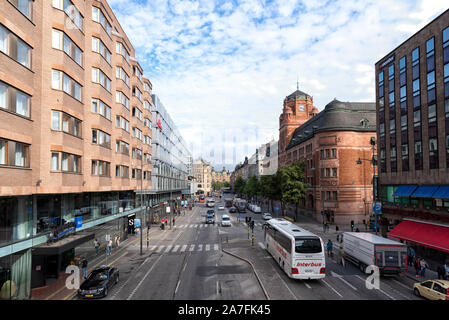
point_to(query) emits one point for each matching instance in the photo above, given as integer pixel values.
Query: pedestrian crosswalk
(205, 226)
(163, 249)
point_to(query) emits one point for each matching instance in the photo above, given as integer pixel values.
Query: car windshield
(307, 245)
(225, 218)
(99, 275)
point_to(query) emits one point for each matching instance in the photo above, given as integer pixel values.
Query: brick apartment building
(75, 125)
(330, 143)
(412, 102)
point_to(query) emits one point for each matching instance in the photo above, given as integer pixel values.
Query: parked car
(257, 209)
(432, 289)
(267, 216)
(221, 207)
(232, 209)
(210, 219)
(225, 221)
(98, 283)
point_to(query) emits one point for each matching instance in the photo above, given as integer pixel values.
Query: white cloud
(219, 66)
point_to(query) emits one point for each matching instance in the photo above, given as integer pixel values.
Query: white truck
(364, 249)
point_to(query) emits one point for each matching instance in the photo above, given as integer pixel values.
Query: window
(98, 16)
(99, 77)
(61, 41)
(334, 172)
(69, 162)
(137, 72)
(404, 150)
(147, 122)
(122, 147)
(403, 93)
(328, 172)
(61, 81)
(433, 153)
(120, 49)
(417, 118)
(328, 153)
(381, 84)
(61, 121)
(137, 113)
(334, 195)
(391, 99)
(136, 174)
(137, 93)
(146, 105)
(392, 126)
(146, 87)
(101, 168)
(71, 11)
(99, 47)
(122, 171)
(101, 108)
(121, 98)
(101, 138)
(136, 153)
(404, 122)
(418, 147)
(137, 133)
(322, 154)
(432, 113)
(382, 129)
(15, 47)
(122, 123)
(14, 154)
(24, 6)
(14, 100)
(121, 74)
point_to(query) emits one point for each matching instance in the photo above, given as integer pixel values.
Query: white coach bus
(299, 252)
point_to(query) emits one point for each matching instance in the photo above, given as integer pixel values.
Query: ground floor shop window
(15, 276)
(16, 218)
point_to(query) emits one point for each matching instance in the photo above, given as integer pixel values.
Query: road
(188, 263)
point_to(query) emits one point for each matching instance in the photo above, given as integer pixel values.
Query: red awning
(426, 234)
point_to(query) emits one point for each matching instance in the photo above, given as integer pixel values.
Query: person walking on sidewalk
(411, 255)
(329, 248)
(446, 271)
(117, 240)
(343, 256)
(441, 272)
(97, 246)
(417, 266)
(84, 267)
(424, 266)
(109, 247)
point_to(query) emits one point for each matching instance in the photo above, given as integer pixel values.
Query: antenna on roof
(297, 82)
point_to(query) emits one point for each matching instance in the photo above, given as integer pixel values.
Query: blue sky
(223, 68)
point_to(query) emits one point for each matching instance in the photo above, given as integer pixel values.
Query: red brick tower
(298, 108)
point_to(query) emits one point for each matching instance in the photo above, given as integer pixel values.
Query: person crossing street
(329, 248)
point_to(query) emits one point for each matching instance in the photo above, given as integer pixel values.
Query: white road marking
(192, 247)
(153, 247)
(392, 298)
(341, 278)
(176, 248)
(307, 285)
(160, 248)
(327, 284)
(168, 248)
(191, 226)
(201, 225)
(206, 225)
(261, 245)
(184, 247)
(403, 285)
(179, 281)
(200, 247)
(207, 247)
(215, 247)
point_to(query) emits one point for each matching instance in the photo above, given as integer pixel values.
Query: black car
(98, 283)
(212, 212)
(233, 210)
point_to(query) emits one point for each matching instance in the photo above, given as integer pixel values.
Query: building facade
(412, 103)
(170, 162)
(267, 160)
(75, 134)
(222, 176)
(330, 143)
(202, 171)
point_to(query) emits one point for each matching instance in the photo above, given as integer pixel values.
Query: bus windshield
(307, 245)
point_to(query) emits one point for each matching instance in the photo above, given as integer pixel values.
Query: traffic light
(352, 225)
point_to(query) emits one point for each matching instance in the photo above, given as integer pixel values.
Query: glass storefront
(16, 219)
(15, 276)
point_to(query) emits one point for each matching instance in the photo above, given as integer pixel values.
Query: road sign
(377, 207)
(167, 209)
(276, 208)
(137, 223)
(108, 237)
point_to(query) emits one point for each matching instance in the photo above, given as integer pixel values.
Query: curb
(254, 270)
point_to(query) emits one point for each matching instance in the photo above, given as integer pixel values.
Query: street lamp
(373, 161)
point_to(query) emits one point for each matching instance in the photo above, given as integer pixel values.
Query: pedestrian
(441, 271)
(329, 248)
(97, 246)
(324, 227)
(424, 266)
(411, 255)
(84, 267)
(336, 228)
(417, 266)
(117, 240)
(173, 221)
(446, 271)
(343, 257)
(109, 247)
(338, 238)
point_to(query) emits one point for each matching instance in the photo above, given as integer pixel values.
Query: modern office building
(75, 136)
(412, 102)
(170, 162)
(330, 144)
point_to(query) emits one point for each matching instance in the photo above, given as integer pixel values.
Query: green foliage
(217, 185)
(252, 188)
(227, 184)
(291, 179)
(239, 185)
(270, 187)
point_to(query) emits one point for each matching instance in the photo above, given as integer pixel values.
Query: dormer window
(364, 123)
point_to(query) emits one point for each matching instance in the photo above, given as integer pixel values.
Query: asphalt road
(187, 263)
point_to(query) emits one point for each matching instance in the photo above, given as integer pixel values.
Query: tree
(291, 183)
(270, 188)
(227, 184)
(217, 185)
(252, 188)
(239, 185)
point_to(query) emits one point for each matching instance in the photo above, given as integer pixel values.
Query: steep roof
(299, 94)
(338, 116)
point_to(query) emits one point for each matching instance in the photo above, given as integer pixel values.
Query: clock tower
(298, 109)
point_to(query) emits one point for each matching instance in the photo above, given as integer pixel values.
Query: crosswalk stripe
(184, 247)
(215, 247)
(191, 226)
(192, 247)
(153, 247)
(176, 248)
(195, 225)
(160, 248)
(201, 225)
(206, 225)
(207, 247)
(168, 248)
(200, 247)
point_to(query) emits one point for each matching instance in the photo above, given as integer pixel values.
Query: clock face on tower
(301, 107)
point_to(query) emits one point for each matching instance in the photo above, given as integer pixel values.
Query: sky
(223, 68)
